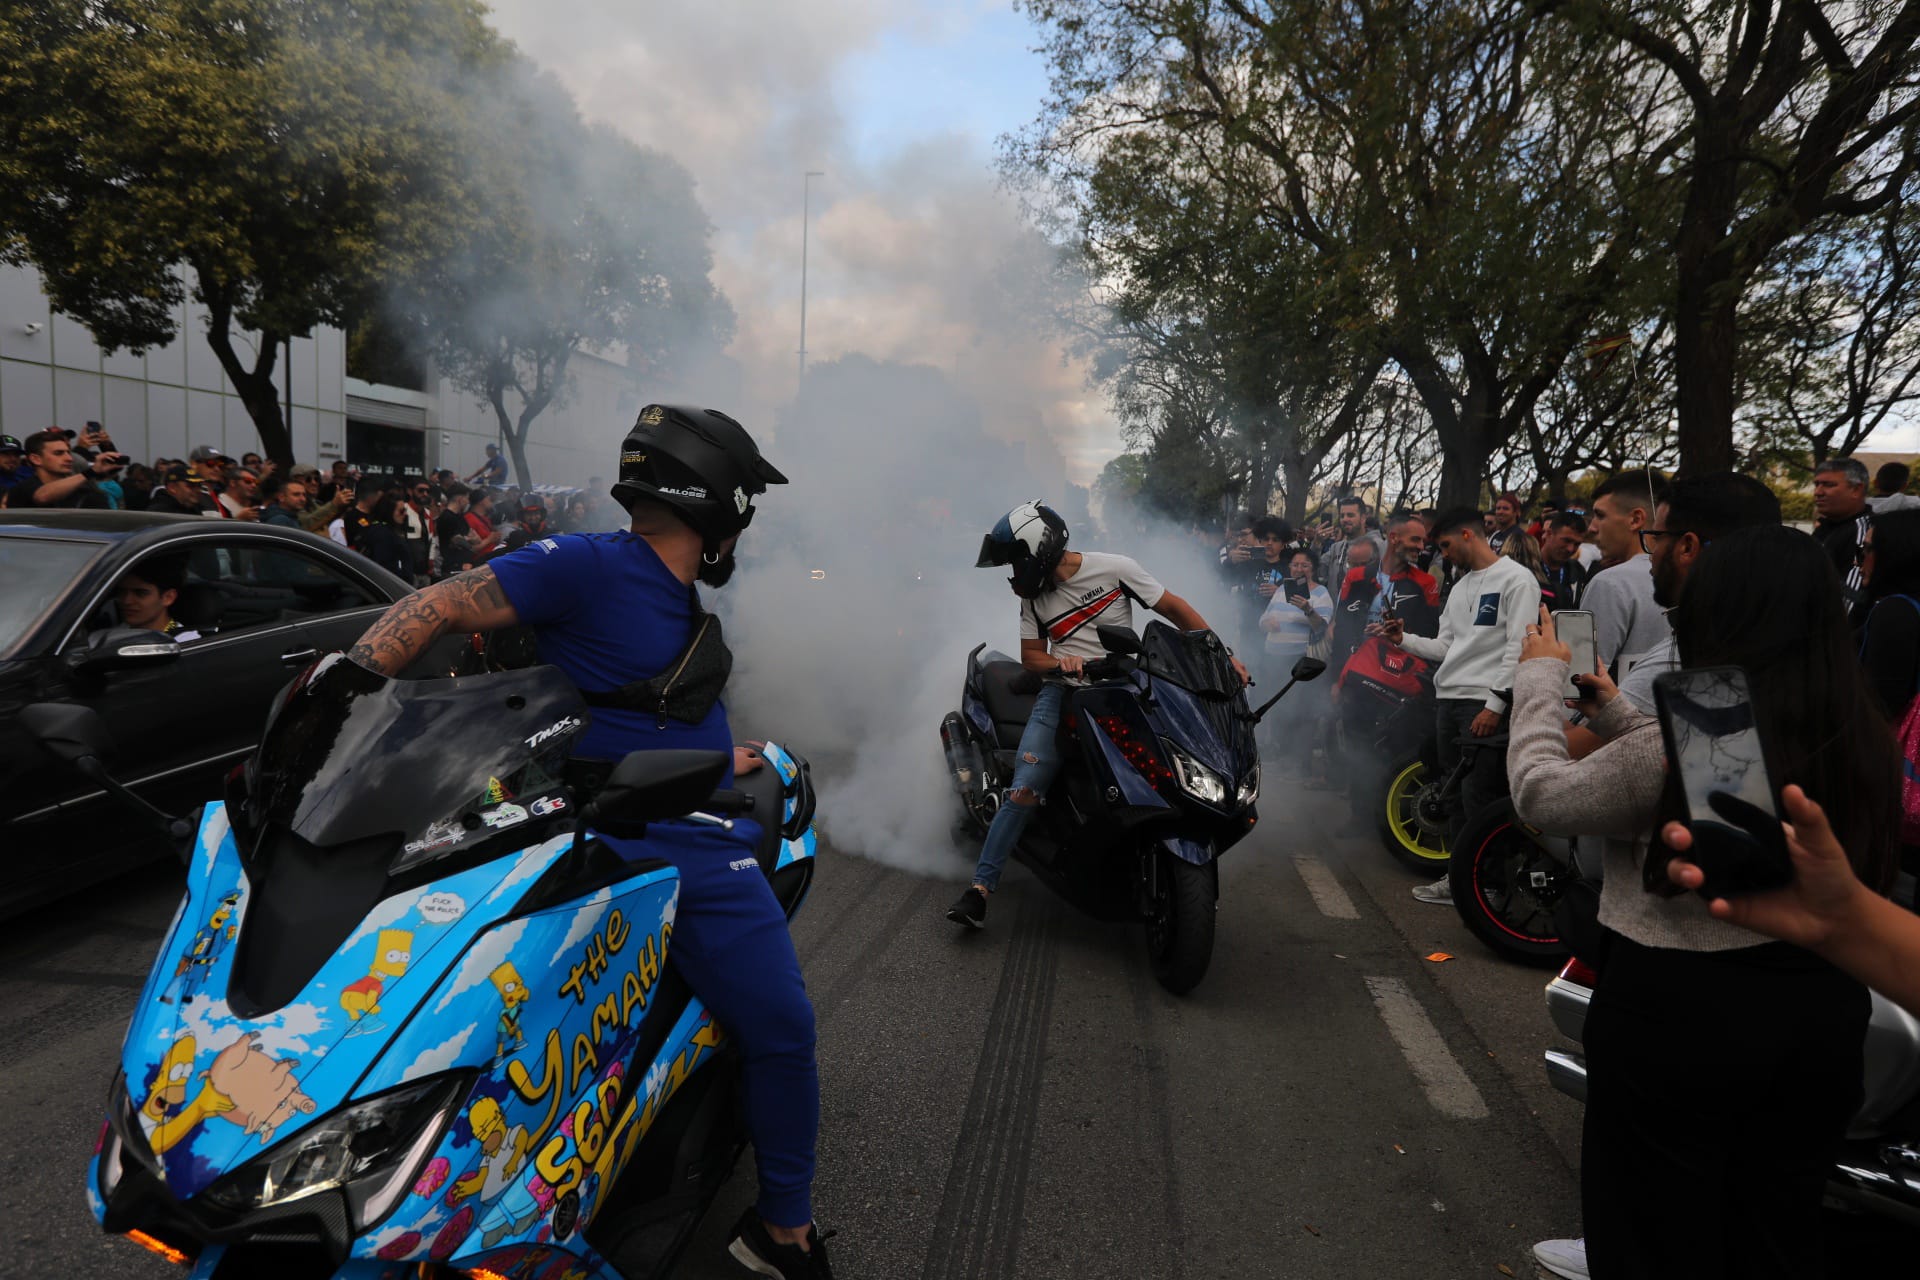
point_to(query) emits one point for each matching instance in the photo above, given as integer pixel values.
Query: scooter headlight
(1249, 787)
(1198, 781)
(372, 1149)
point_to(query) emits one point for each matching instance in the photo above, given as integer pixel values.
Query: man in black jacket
(56, 478)
(1840, 498)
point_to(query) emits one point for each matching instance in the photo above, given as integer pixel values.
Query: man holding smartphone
(57, 479)
(1481, 630)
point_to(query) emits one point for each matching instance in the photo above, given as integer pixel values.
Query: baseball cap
(176, 473)
(9, 444)
(206, 453)
(301, 470)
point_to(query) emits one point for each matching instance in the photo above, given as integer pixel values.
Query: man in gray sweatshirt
(1627, 623)
(1481, 629)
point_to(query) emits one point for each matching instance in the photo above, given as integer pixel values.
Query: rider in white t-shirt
(1065, 596)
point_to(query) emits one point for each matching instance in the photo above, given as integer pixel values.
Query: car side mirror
(67, 732)
(123, 649)
(647, 786)
(1117, 639)
(1308, 668)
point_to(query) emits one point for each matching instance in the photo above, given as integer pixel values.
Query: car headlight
(1198, 781)
(372, 1149)
(1250, 788)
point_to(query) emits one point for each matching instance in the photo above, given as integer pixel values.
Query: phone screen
(1712, 739)
(1575, 630)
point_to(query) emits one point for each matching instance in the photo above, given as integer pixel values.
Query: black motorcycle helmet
(699, 462)
(1032, 538)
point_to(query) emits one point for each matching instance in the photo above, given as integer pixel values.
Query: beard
(718, 574)
(1667, 582)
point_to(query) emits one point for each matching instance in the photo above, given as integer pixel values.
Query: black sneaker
(759, 1253)
(970, 910)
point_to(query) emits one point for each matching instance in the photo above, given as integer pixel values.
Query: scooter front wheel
(1180, 928)
(1413, 823)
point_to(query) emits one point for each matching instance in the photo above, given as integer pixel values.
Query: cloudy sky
(915, 254)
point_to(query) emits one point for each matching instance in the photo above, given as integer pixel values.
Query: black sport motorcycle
(1159, 775)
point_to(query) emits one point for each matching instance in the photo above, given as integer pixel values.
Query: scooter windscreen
(350, 755)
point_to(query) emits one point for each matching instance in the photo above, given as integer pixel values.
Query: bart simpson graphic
(391, 954)
(507, 1207)
(513, 993)
(158, 1118)
(197, 962)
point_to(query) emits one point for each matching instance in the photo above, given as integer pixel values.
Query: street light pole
(806, 213)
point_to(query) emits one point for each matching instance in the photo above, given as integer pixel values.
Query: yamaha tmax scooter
(416, 1016)
(1159, 775)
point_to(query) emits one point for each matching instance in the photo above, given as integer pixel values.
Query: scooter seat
(769, 810)
(1010, 710)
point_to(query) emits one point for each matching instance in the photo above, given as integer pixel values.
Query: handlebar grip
(726, 801)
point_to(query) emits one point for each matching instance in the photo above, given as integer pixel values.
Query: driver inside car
(145, 596)
(1065, 596)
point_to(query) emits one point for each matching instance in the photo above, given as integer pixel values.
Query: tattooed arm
(471, 601)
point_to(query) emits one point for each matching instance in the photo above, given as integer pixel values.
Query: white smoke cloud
(912, 248)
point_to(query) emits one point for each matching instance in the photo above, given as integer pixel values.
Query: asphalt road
(1026, 1102)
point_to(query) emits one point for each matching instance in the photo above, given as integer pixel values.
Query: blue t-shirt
(606, 611)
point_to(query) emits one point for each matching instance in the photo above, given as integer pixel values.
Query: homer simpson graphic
(160, 1119)
(197, 961)
(513, 993)
(391, 954)
(507, 1207)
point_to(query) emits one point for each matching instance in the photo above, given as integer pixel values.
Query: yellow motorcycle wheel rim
(1401, 795)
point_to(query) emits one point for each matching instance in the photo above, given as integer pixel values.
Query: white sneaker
(1440, 892)
(1565, 1258)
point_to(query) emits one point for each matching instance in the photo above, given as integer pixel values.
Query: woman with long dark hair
(384, 543)
(1721, 1067)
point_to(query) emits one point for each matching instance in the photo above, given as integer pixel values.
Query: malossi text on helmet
(699, 462)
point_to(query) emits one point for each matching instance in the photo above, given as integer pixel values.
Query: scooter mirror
(1117, 639)
(650, 785)
(1308, 668)
(67, 732)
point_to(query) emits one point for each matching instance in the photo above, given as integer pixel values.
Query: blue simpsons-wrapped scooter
(412, 1019)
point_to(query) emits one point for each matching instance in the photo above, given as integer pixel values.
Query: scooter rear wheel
(1412, 823)
(1505, 887)
(1180, 930)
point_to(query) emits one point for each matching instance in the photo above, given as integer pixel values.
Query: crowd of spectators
(1699, 572)
(420, 527)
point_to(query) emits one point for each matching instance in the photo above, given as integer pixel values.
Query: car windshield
(37, 571)
(350, 755)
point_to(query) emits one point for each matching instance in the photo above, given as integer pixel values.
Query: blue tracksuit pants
(730, 942)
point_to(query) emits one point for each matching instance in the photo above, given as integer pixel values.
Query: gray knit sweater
(1612, 793)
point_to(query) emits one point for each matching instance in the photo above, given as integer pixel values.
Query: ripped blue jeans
(1039, 762)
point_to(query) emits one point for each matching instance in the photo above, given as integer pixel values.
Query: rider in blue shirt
(614, 611)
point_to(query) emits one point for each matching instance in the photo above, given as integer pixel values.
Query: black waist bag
(686, 690)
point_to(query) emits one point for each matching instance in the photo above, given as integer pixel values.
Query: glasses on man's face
(1645, 534)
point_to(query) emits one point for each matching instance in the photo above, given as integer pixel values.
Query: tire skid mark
(977, 1231)
(863, 962)
(1153, 1064)
(834, 928)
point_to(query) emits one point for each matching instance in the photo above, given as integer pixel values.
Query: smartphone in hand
(1714, 749)
(1575, 629)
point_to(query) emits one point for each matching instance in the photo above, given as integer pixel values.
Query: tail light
(1576, 970)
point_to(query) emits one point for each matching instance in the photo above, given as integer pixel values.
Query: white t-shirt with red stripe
(1101, 592)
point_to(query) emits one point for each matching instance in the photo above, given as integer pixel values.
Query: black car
(260, 601)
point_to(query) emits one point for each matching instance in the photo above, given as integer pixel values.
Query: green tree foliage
(1446, 186)
(281, 160)
(1785, 119)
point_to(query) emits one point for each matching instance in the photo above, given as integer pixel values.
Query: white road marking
(1439, 1072)
(1325, 888)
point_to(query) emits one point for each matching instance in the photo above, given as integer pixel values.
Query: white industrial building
(172, 398)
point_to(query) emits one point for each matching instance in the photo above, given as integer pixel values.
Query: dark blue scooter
(1159, 775)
